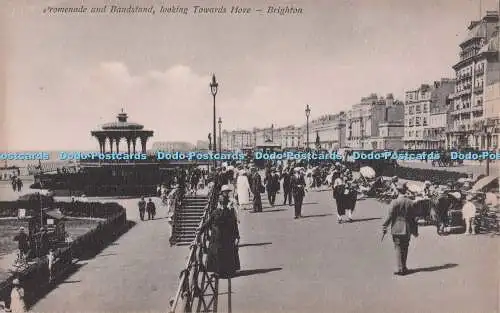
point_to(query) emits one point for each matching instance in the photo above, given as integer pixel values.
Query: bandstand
(112, 134)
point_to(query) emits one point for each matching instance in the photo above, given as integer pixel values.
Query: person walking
(338, 194)
(142, 208)
(22, 243)
(468, 214)
(287, 190)
(151, 208)
(223, 257)
(19, 184)
(17, 304)
(403, 225)
(272, 186)
(256, 190)
(298, 185)
(243, 190)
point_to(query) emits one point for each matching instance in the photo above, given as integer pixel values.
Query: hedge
(419, 174)
(72, 209)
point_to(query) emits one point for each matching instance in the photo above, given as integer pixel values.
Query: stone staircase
(188, 218)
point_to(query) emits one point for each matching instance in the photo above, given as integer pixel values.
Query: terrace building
(478, 67)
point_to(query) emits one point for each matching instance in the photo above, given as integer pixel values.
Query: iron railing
(198, 289)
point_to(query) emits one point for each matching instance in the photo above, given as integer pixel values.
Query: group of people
(148, 207)
(16, 183)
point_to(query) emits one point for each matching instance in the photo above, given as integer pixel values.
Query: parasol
(456, 195)
(491, 199)
(414, 187)
(483, 182)
(367, 172)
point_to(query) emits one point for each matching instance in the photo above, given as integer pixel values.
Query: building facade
(172, 146)
(477, 67)
(236, 140)
(426, 115)
(490, 138)
(390, 136)
(362, 121)
(331, 130)
(291, 137)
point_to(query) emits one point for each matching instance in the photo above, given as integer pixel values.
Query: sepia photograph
(250, 156)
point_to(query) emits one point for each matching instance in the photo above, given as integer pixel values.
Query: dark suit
(272, 187)
(287, 190)
(403, 225)
(298, 184)
(256, 188)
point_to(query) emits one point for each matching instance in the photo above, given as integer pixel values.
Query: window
(424, 121)
(417, 109)
(410, 110)
(417, 121)
(426, 108)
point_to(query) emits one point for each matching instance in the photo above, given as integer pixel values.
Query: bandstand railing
(198, 289)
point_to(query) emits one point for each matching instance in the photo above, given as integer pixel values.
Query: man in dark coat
(256, 190)
(272, 186)
(403, 225)
(142, 208)
(22, 243)
(151, 208)
(298, 184)
(287, 191)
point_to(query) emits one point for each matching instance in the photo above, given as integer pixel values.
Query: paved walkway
(307, 265)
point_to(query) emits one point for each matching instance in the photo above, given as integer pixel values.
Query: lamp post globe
(214, 86)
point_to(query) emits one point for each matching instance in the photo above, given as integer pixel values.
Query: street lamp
(213, 89)
(209, 146)
(220, 135)
(487, 131)
(308, 112)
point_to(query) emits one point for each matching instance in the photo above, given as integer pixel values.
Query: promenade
(307, 265)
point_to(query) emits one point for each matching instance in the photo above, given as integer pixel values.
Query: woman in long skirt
(338, 194)
(17, 304)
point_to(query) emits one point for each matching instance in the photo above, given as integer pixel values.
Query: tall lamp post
(220, 135)
(308, 112)
(209, 146)
(487, 131)
(213, 89)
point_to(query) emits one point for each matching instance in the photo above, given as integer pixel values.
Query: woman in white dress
(243, 189)
(17, 304)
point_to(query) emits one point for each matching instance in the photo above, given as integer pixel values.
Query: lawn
(10, 228)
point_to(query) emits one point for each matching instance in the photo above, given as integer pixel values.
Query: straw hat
(225, 188)
(16, 282)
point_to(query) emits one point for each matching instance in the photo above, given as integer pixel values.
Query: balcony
(478, 89)
(479, 71)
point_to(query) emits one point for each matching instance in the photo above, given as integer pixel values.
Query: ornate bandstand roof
(122, 127)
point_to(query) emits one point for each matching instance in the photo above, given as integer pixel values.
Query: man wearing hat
(298, 184)
(287, 190)
(22, 243)
(272, 186)
(403, 225)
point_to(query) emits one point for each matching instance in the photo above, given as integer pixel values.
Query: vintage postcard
(250, 156)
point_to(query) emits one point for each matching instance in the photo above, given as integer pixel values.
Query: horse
(434, 210)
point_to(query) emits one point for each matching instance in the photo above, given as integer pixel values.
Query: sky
(66, 74)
